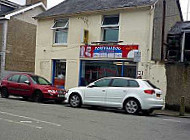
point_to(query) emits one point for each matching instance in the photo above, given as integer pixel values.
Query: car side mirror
(27, 82)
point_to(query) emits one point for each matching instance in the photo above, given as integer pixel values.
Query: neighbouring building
(79, 41)
(178, 65)
(18, 36)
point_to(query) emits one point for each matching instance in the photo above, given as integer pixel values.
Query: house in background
(178, 65)
(84, 40)
(18, 36)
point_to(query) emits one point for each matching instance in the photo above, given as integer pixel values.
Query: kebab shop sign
(108, 51)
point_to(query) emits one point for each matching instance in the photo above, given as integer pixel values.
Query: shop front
(97, 61)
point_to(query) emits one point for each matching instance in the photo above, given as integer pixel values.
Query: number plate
(158, 95)
(61, 95)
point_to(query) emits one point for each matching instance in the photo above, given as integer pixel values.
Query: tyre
(4, 93)
(75, 100)
(132, 106)
(38, 97)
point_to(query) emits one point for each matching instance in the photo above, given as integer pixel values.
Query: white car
(133, 95)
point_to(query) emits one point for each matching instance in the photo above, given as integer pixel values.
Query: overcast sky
(51, 3)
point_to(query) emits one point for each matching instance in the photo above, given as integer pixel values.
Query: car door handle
(124, 91)
(103, 90)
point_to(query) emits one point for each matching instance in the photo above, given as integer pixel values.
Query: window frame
(65, 28)
(111, 26)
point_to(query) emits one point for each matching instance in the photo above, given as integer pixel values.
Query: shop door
(59, 73)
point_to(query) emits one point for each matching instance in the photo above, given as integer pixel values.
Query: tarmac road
(24, 120)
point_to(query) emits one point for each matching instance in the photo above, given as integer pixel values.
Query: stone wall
(172, 16)
(178, 84)
(21, 42)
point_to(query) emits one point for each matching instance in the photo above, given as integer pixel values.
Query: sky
(51, 3)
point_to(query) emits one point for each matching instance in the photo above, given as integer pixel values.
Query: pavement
(171, 113)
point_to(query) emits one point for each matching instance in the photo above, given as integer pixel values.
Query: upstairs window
(60, 28)
(110, 28)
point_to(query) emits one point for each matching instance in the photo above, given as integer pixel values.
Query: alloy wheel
(131, 107)
(75, 100)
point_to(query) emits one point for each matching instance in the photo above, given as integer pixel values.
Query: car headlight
(51, 92)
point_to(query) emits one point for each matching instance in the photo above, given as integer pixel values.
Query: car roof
(30, 74)
(119, 78)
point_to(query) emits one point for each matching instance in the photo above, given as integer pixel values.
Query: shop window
(91, 71)
(60, 28)
(110, 28)
(59, 73)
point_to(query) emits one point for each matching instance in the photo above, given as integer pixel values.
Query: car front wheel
(75, 100)
(38, 97)
(132, 106)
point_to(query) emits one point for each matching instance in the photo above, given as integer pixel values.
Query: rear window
(149, 84)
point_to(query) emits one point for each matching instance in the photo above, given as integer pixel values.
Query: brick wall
(21, 42)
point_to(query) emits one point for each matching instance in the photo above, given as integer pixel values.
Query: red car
(30, 86)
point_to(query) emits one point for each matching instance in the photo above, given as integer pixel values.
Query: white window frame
(64, 29)
(112, 26)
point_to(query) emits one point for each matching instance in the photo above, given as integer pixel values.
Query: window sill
(59, 45)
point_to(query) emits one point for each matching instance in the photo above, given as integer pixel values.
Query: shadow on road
(85, 107)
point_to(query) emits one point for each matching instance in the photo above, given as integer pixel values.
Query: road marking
(26, 121)
(172, 120)
(20, 123)
(25, 117)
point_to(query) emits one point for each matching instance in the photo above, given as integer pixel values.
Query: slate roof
(69, 7)
(179, 27)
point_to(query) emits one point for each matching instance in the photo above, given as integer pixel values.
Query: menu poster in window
(108, 51)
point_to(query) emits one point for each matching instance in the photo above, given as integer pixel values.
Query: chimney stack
(28, 2)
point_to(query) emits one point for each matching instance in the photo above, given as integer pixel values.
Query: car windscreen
(40, 80)
(150, 84)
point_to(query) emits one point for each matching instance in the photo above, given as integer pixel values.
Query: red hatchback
(31, 86)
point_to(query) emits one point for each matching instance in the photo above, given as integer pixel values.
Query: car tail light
(149, 91)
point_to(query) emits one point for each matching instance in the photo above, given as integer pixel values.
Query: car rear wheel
(4, 93)
(132, 106)
(75, 100)
(38, 97)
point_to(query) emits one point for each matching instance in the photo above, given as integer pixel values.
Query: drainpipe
(163, 29)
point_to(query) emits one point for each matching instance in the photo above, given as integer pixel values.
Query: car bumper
(55, 97)
(156, 104)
